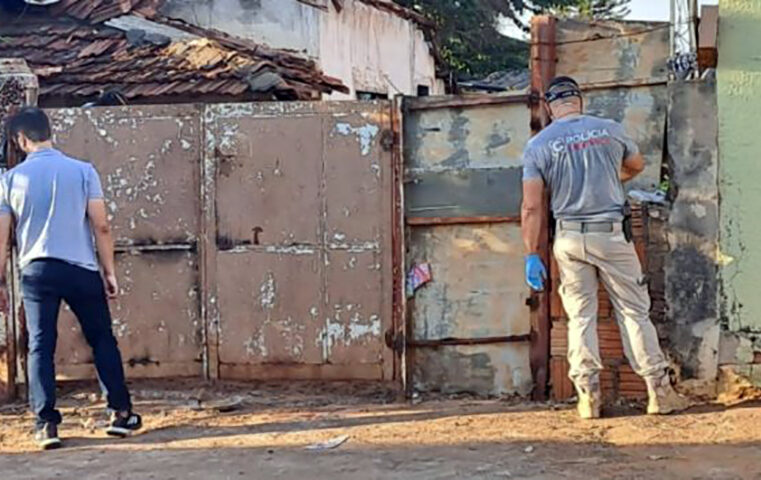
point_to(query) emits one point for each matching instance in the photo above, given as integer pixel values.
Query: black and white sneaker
(47, 437)
(123, 424)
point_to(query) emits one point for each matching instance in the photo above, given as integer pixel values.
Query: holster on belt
(627, 225)
(553, 227)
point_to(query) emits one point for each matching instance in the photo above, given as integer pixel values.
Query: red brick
(556, 306)
(562, 388)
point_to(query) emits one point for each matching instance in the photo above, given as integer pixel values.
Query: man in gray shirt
(582, 162)
(60, 217)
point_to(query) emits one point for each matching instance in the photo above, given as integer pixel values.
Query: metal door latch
(532, 302)
(395, 341)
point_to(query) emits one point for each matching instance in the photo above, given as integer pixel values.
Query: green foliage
(468, 30)
(589, 9)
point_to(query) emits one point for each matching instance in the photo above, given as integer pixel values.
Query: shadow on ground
(509, 460)
(265, 434)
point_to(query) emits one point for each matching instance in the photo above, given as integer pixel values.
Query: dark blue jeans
(44, 283)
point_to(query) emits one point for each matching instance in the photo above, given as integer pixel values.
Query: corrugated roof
(76, 56)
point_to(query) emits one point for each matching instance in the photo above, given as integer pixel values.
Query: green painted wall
(739, 102)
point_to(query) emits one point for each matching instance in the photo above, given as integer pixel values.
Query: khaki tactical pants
(583, 258)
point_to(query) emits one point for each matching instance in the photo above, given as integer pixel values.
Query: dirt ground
(263, 431)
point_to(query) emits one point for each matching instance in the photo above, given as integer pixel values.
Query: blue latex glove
(536, 274)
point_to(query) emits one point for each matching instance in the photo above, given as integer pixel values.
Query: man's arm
(532, 213)
(632, 166)
(104, 242)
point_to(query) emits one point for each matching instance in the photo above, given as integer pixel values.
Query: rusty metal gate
(469, 329)
(150, 162)
(254, 241)
(300, 280)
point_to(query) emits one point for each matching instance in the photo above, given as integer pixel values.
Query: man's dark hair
(32, 122)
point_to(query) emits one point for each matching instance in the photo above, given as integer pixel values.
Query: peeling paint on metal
(365, 135)
(358, 330)
(268, 292)
(355, 247)
(256, 346)
(227, 135)
(347, 326)
(476, 292)
(277, 249)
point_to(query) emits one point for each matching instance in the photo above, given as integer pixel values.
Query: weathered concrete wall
(691, 282)
(642, 111)
(370, 50)
(622, 65)
(739, 81)
(278, 23)
(375, 51)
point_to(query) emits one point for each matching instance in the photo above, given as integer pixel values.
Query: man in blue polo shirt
(57, 207)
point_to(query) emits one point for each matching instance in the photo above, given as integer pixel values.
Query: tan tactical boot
(590, 401)
(662, 398)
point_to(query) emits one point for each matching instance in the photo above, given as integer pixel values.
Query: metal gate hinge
(395, 341)
(388, 140)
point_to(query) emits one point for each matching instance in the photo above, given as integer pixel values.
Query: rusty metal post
(543, 61)
(398, 267)
(208, 252)
(18, 87)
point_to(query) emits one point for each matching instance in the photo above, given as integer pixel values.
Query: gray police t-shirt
(48, 195)
(579, 158)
